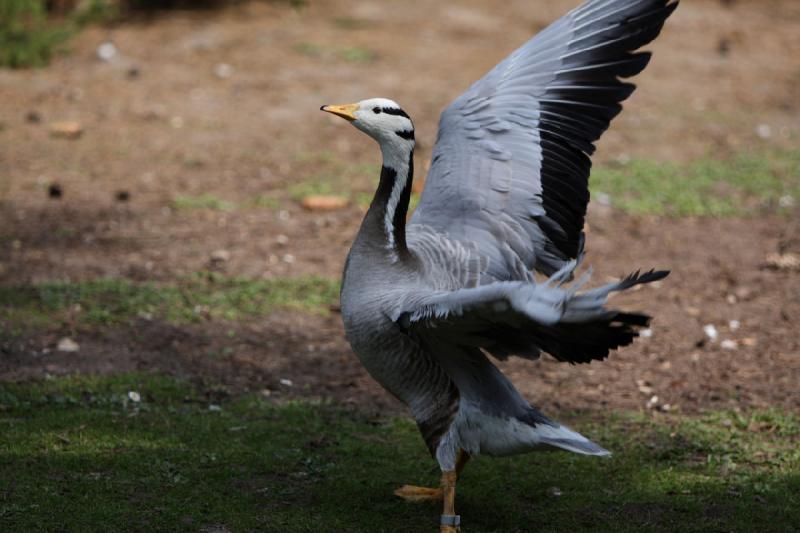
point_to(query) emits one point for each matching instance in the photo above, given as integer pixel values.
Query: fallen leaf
(66, 130)
(785, 262)
(324, 202)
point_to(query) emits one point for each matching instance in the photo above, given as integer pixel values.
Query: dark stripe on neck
(395, 111)
(380, 203)
(406, 134)
(401, 210)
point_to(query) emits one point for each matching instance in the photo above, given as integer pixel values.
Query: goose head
(380, 118)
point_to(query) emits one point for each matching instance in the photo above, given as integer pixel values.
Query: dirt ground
(226, 104)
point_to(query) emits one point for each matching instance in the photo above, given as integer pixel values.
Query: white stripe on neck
(396, 155)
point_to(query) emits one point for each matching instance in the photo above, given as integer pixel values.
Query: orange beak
(346, 111)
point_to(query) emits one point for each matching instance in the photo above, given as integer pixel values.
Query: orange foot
(411, 493)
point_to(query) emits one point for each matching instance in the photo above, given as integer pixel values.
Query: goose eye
(376, 110)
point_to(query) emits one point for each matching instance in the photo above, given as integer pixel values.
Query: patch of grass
(315, 185)
(197, 298)
(325, 175)
(308, 49)
(353, 54)
(203, 201)
(742, 185)
(211, 202)
(83, 454)
(264, 201)
(356, 54)
(27, 39)
(351, 23)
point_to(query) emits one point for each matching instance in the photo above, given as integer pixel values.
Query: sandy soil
(163, 119)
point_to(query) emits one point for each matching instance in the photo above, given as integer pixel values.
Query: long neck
(390, 205)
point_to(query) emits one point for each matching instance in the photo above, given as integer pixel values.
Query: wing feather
(519, 318)
(518, 141)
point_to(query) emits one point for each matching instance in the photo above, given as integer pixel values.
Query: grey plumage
(425, 304)
(514, 146)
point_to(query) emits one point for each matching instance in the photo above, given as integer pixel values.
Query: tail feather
(566, 439)
(586, 447)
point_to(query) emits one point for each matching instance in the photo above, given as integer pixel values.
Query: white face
(382, 119)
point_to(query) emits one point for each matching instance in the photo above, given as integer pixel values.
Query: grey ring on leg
(450, 520)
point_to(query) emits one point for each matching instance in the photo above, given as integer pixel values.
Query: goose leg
(450, 522)
(413, 493)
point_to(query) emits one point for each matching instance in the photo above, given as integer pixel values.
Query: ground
(202, 135)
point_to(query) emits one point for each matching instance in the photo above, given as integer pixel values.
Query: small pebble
(220, 256)
(652, 402)
(711, 332)
(729, 344)
(734, 325)
(602, 198)
(106, 51)
(67, 345)
(134, 396)
(286, 382)
(764, 131)
(223, 71)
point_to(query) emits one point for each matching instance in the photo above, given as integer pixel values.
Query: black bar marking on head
(395, 111)
(406, 134)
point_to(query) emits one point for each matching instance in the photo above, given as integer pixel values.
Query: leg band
(450, 520)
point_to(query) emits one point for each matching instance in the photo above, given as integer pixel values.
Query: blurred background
(172, 202)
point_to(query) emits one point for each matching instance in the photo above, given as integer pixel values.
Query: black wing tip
(636, 278)
(672, 7)
(632, 319)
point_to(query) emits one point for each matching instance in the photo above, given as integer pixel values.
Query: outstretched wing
(511, 164)
(518, 318)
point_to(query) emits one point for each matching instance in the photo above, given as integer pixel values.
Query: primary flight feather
(423, 303)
